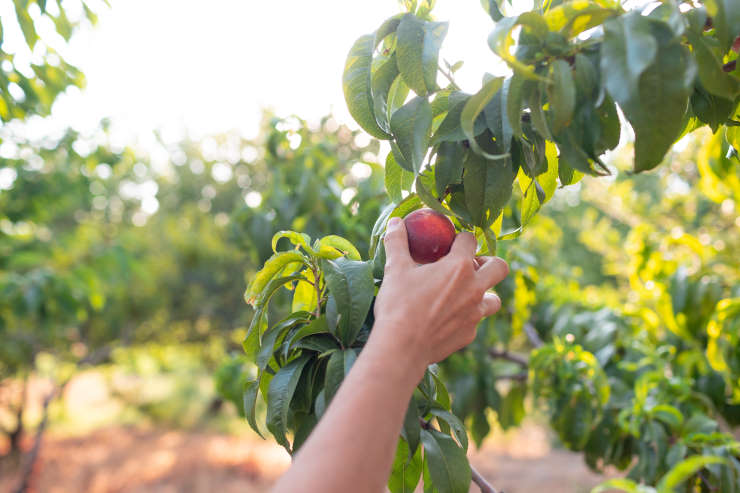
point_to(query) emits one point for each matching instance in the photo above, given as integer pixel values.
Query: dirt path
(118, 460)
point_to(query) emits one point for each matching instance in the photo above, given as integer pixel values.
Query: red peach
(430, 235)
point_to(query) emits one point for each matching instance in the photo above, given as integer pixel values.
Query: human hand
(430, 311)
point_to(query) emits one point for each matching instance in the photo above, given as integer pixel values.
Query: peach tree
(582, 73)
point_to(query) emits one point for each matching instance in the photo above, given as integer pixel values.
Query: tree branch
(532, 335)
(480, 481)
(506, 355)
(33, 455)
(520, 377)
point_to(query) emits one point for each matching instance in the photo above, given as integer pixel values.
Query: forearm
(359, 429)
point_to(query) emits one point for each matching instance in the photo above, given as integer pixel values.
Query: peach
(430, 235)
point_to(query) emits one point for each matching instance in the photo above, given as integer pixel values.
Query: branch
(729, 66)
(480, 481)
(532, 335)
(506, 355)
(33, 455)
(520, 377)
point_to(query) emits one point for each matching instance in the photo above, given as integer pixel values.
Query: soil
(139, 460)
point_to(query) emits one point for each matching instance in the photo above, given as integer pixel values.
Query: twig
(729, 66)
(449, 78)
(480, 481)
(532, 335)
(506, 355)
(33, 455)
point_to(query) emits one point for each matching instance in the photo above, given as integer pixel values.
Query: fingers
(490, 304)
(396, 242)
(492, 271)
(464, 245)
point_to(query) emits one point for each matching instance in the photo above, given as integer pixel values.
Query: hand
(430, 311)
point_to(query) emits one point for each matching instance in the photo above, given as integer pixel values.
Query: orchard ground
(87, 452)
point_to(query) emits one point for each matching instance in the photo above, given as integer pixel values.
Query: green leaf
(337, 368)
(411, 430)
(725, 20)
(488, 187)
(356, 83)
(533, 95)
(448, 167)
(492, 9)
(382, 80)
(351, 285)
(388, 27)
(626, 485)
(629, 48)
(26, 23)
(574, 17)
(434, 35)
(501, 42)
(282, 388)
(712, 77)
(411, 126)
(270, 337)
(342, 246)
(316, 326)
(685, 469)
(561, 95)
(514, 102)
(473, 107)
(531, 203)
(273, 265)
(454, 422)
(451, 128)
(250, 401)
(406, 472)
(448, 466)
(418, 52)
(424, 192)
(657, 108)
(397, 179)
(298, 239)
(497, 119)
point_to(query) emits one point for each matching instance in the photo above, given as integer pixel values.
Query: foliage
(644, 381)
(33, 76)
(102, 246)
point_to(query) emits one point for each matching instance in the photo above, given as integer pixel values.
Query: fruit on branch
(430, 235)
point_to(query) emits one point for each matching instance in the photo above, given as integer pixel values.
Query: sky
(210, 66)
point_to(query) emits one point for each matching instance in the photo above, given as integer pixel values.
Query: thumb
(396, 243)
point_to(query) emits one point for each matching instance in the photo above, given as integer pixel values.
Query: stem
(448, 76)
(316, 278)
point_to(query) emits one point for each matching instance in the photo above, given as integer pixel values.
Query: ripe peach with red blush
(430, 235)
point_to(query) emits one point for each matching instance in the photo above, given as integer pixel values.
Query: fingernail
(394, 222)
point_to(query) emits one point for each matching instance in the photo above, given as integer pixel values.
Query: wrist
(396, 359)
